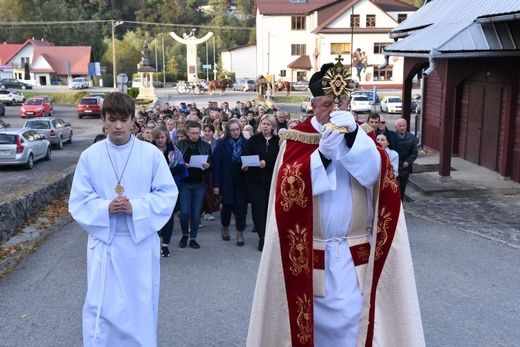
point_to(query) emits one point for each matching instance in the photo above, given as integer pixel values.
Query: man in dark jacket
(408, 151)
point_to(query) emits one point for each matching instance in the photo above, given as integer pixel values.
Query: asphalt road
(467, 286)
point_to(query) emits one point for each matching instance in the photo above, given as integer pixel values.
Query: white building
(298, 36)
(241, 60)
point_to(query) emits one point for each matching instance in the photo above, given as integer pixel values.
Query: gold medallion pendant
(119, 189)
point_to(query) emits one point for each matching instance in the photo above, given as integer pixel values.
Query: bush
(133, 92)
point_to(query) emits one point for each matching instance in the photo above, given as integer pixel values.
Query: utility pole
(114, 24)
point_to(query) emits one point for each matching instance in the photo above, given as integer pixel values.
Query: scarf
(237, 149)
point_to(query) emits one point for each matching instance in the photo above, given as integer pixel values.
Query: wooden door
(483, 124)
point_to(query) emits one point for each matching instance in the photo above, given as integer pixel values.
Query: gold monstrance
(337, 84)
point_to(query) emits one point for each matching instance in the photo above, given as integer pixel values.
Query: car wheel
(13, 102)
(2, 86)
(48, 156)
(50, 113)
(80, 116)
(30, 162)
(24, 87)
(59, 145)
(70, 138)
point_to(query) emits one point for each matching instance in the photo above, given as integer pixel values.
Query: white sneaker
(209, 216)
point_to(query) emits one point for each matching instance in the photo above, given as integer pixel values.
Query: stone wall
(16, 212)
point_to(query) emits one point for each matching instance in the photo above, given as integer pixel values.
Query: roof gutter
(501, 18)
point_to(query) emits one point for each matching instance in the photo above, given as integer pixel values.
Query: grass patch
(290, 98)
(67, 98)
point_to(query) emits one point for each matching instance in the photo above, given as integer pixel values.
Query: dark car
(12, 83)
(89, 106)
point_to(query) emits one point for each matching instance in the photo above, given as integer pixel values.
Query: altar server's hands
(120, 204)
(343, 119)
(329, 143)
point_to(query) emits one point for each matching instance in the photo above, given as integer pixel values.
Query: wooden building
(468, 55)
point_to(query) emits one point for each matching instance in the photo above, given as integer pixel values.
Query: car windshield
(360, 98)
(394, 100)
(4, 92)
(88, 101)
(37, 125)
(33, 102)
(7, 139)
(77, 80)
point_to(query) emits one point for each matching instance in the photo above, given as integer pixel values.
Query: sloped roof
(285, 7)
(303, 62)
(460, 28)
(7, 51)
(57, 57)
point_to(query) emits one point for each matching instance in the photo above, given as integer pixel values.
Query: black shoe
(184, 241)
(261, 244)
(165, 252)
(194, 244)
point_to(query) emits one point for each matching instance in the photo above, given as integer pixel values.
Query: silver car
(79, 83)
(244, 85)
(23, 147)
(56, 130)
(11, 97)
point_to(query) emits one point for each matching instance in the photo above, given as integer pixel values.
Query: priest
(122, 194)
(336, 268)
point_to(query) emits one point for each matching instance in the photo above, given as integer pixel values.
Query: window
(378, 47)
(301, 75)
(383, 74)
(25, 60)
(354, 20)
(340, 48)
(401, 17)
(298, 23)
(298, 49)
(371, 20)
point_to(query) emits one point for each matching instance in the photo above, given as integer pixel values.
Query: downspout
(431, 68)
(385, 64)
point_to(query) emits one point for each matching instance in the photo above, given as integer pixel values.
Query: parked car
(306, 105)
(12, 83)
(89, 106)
(300, 86)
(391, 104)
(360, 103)
(38, 106)
(368, 93)
(244, 85)
(136, 83)
(79, 83)
(2, 110)
(416, 104)
(56, 130)
(23, 147)
(11, 97)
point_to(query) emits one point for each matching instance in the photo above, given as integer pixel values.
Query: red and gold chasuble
(294, 215)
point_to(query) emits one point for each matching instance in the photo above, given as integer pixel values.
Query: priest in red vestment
(336, 268)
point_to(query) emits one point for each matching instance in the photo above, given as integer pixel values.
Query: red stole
(294, 216)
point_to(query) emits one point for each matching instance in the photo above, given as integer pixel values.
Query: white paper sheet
(198, 160)
(250, 160)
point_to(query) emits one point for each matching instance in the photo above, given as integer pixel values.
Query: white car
(306, 105)
(11, 97)
(79, 83)
(360, 103)
(391, 104)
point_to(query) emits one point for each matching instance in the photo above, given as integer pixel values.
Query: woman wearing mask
(193, 187)
(161, 139)
(229, 180)
(258, 178)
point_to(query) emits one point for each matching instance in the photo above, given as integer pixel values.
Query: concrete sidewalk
(467, 179)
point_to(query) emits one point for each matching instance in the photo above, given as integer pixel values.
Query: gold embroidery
(382, 234)
(299, 250)
(363, 253)
(389, 179)
(292, 187)
(304, 318)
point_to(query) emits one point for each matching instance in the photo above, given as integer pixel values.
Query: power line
(72, 23)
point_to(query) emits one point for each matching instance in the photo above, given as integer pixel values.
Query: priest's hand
(120, 204)
(329, 143)
(343, 119)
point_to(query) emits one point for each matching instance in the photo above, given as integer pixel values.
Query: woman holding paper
(229, 180)
(198, 158)
(264, 145)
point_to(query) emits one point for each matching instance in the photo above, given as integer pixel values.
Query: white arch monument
(191, 43)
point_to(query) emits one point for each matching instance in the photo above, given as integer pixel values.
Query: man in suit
(408, 151)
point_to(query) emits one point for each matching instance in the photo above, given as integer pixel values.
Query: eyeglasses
(383, 122)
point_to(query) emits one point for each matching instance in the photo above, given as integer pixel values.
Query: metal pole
(214, 61)
(351, 40)
(114, 54)
(156, 62)
(163, 64)
(207, 70)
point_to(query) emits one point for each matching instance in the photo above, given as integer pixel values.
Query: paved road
(468, 289)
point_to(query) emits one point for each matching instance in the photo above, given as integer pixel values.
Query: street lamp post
(114, 24)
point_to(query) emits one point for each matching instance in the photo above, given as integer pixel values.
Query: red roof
(7, 51)
(57, 57)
